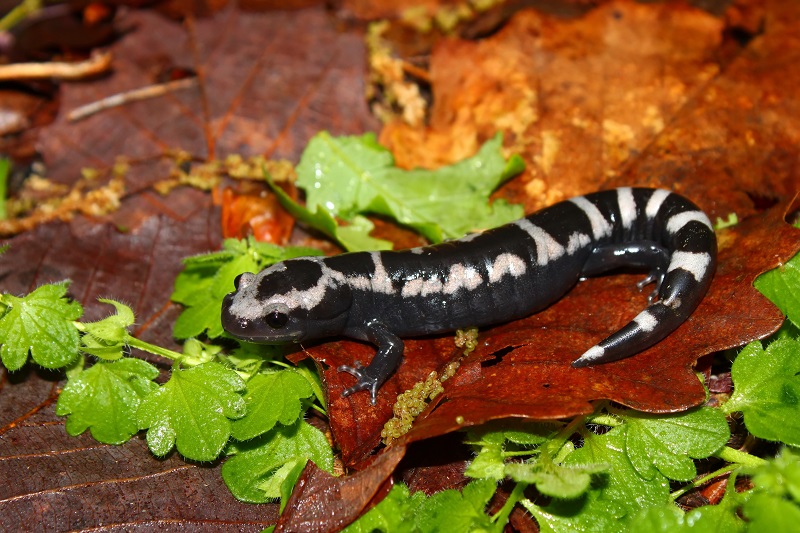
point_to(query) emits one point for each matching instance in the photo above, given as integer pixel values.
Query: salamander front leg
(386, 360)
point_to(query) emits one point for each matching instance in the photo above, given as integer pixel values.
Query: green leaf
(774, 503)
(351, 176)
(290, 480)
(490, 461)
(255, 474)
(451, 510)
(206, 279)
(307, 369)
(271, 398)
(620, 492)
(767, 390)
(193, 410)
(104, 399)
(353, 237)
(782, 287)
(392, 515)
(107, 338)
(566, 482)
(669, 443)
(767, 512)
(668, 518)
(202, 316)
(496, 444)
(41, 324)
(780, 476)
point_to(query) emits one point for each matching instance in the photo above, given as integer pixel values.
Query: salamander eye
(276, 319)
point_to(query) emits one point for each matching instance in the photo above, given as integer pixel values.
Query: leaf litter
(621, 153)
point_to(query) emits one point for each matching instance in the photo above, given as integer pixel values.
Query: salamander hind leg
(383, 364)
(642, 254)
(692, 260)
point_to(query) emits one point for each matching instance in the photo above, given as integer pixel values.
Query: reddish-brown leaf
(322, 502)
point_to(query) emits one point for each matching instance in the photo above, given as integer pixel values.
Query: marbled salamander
(486, 278)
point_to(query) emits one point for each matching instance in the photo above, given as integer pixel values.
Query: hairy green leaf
(669, 443)
(193, 410)
(620, 491)
(107, 338)
(105, 398)
(271, 398)
(392, 515)
(255, 474)
(782, 286)
(41, 324)
(767, 390)
(451, 510)
(566, 482)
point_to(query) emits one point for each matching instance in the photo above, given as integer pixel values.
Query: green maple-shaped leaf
(271, 398)
(193, 411)
(105, 398)
(256, 473)
(767, 390)
(41, 324)
(669, 443)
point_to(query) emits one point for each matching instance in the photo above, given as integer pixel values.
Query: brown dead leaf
(267, 83)
(533, 377)
(321, 502)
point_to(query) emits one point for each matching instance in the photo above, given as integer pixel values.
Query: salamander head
(293, 301)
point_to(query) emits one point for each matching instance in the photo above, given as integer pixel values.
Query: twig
(150, 91)
(97, 63)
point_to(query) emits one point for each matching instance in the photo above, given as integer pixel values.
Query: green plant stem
(605, 420)
(732, 455)
(703, 480)
(152, 348)
(501, 517)
(557, 442)
(19, 13)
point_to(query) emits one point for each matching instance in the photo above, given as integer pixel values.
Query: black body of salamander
(487, 278)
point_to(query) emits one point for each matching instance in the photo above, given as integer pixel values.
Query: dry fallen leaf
(629, 93)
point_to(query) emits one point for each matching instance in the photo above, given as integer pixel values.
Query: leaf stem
(501, 517)
(605, 420)
(703, 480)
(152, 348)
(738, 457)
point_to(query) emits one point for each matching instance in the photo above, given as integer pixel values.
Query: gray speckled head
(289, 301)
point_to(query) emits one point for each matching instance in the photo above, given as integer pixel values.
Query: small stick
(97, 63)
(143, 93)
